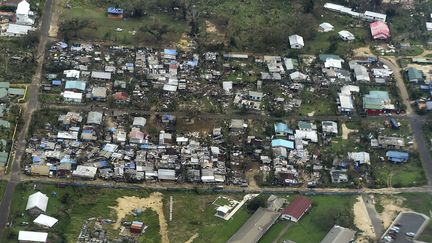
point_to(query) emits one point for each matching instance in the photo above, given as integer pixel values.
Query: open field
(192, 213)
(326, 211)
(72, 206)
(93, 24)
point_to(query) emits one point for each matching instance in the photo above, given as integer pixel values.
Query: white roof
(72, 73)
(346, 35)
(227, 85)
(45, 220)
(85, 171)
(18, 29)
(169, 88)
(333, 63)
(346, 101)
(326, 26)
(72, 95)
(223, 209)
(23, 8)
(348, 89)
(101, 75)
(361, 157)
(376, 15)
(32, 236)
(337, 7)
(37, 200)
(296, 40)
(307, 135)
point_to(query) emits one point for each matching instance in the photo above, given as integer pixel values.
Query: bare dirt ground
(362, 221)
(311, 114)
(193, 237)
(362, 51)
(346, 131)
(125, 205)
(392, 207)
(57, 11)
(250, 176)
(214, 34)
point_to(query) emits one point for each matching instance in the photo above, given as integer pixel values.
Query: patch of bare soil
(392, 207)
(346, 131)
(362, 221)
(362, 51)
(126, 205)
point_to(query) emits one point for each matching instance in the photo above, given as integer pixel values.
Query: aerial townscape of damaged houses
(125, 143)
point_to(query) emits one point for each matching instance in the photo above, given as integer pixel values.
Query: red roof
(297, 207)
(379, 30)
(120, 96)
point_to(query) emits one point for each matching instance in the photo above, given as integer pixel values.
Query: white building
(296, 42)
(85, 172)
(37, 203)
(23, 13)
(32, 236)
(326, 27)
(45, 221)
(16, 30)
(346, 35)
(70, 96)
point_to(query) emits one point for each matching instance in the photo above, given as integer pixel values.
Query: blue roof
(56, 82)
(67, 160)
(170, 52)
(36, 159)
(397, 156)
(283, 143)
(282, 128)
(112, 10)
(75, 84)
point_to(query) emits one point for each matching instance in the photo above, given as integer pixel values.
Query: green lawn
(317, 104)
(100, 27)
(194, 213)
(404, 175)
(326, 211)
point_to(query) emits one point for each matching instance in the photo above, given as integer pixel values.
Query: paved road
(373, 215)
(31, 106)
(234, 115)
(416, 124)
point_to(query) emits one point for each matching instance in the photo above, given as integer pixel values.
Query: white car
(410, 234)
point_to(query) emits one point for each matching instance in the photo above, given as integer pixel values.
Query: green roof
(16, 91)
(376, 100)
(4, 84)
(324, 57)
(414, 73)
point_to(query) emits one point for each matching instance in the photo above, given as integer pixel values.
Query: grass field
(194, 213)
(406, 175)
(72, 206)
(317, 105)
(326, 211)
(102, 28)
